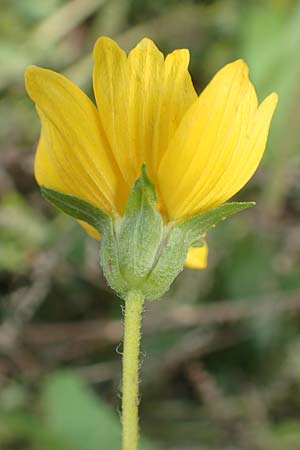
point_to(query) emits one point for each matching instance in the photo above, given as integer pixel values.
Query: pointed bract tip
(144, 172)
(144, 175)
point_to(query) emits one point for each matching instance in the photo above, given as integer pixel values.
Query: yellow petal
(73, 154)
(141, 101)
(217, 146)
(51, 172)
(197, 257)
(177, 95)
(55, 170)
(90, 230)
(247, 161)
(111, 84)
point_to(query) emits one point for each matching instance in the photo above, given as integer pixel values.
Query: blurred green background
(221, 361)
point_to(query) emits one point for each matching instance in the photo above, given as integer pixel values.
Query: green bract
(139, 251)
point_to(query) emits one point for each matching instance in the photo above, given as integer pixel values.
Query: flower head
(199, 150)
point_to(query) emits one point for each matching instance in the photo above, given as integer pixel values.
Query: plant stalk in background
(148, 172)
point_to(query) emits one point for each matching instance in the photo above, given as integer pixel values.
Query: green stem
(132, 325)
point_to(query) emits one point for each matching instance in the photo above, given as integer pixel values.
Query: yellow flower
(199, 150)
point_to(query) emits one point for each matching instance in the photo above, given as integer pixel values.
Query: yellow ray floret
(217, 146)
(199, 151)
(197, 257)
(141, 100)
(73, 155)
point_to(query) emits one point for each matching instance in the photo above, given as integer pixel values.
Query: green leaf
(78, 208)
(197, 225)
(79, 418)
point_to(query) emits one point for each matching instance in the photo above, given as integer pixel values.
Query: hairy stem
(132, 325)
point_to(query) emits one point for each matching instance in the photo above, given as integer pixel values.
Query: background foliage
(222, 348)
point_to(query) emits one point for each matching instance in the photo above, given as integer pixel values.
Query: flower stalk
(132, 331)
